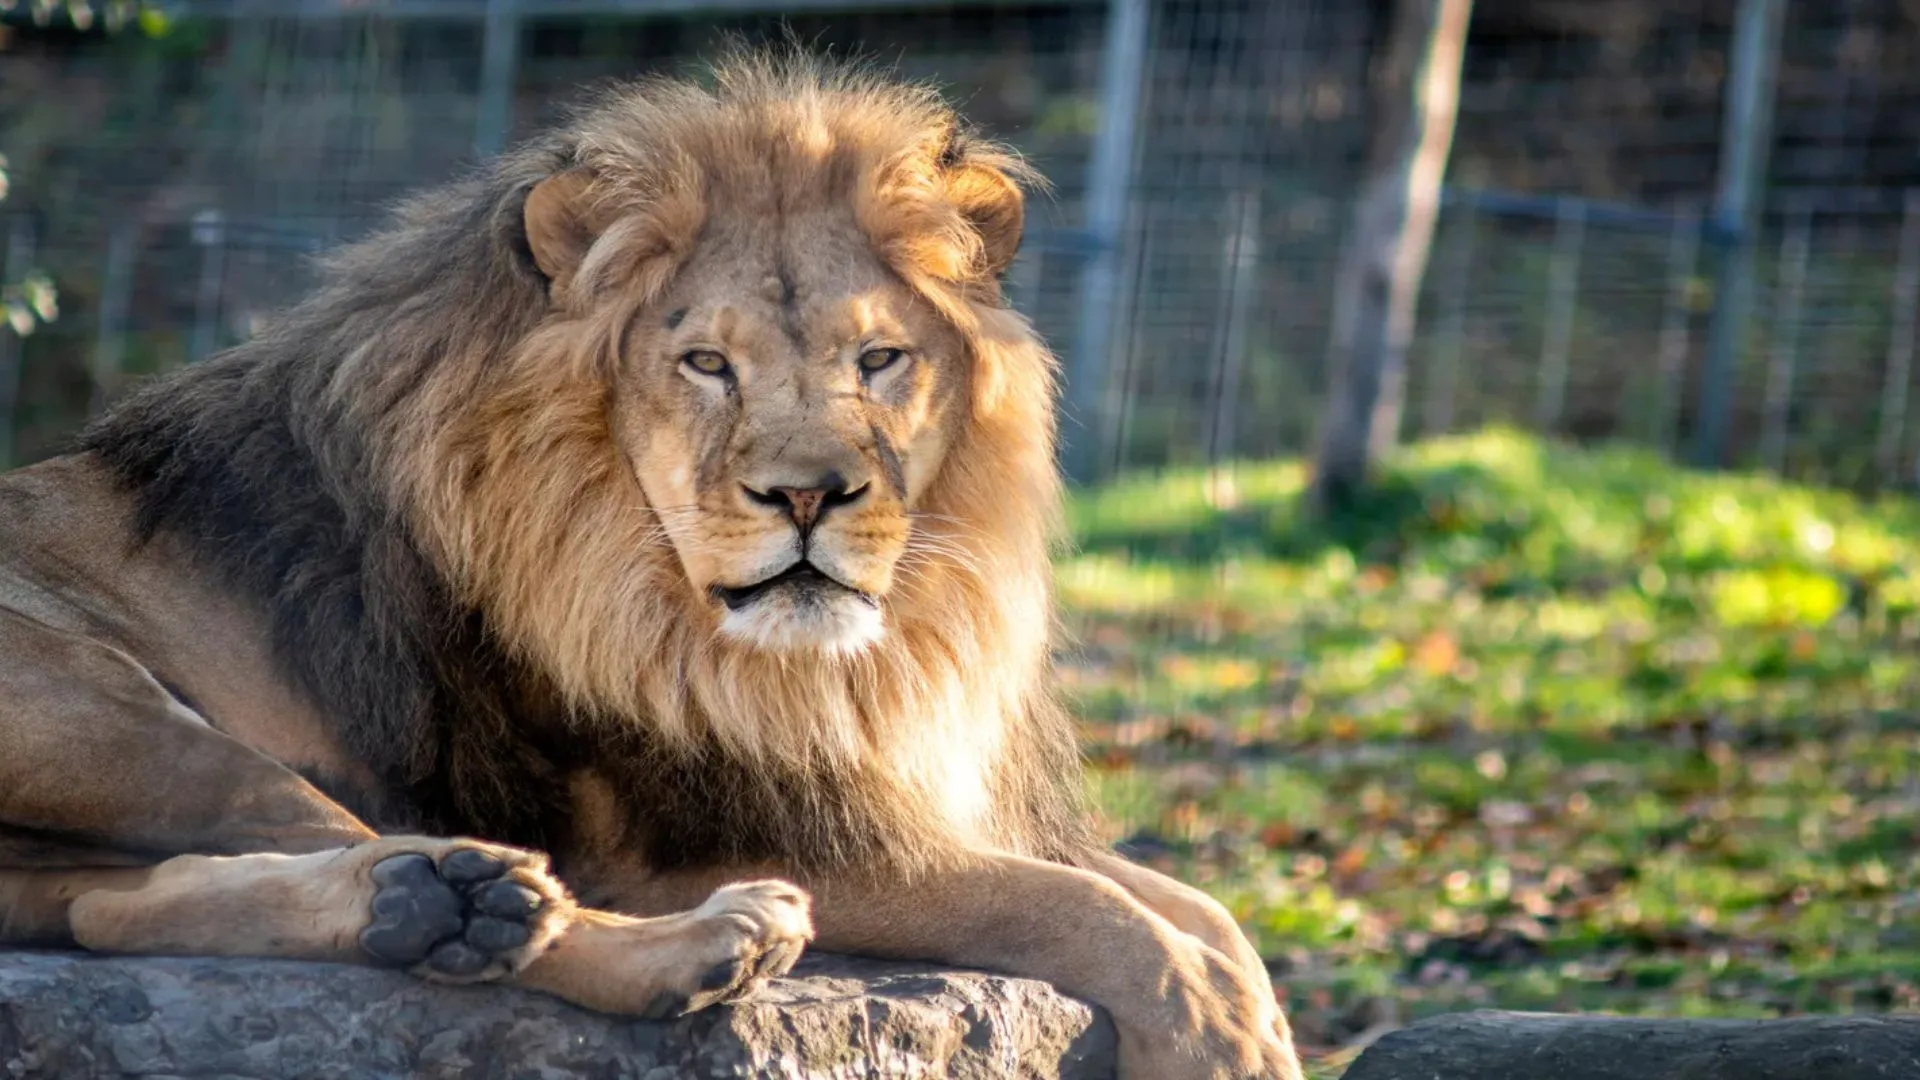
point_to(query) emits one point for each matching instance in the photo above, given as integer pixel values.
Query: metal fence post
(1563, 303)
(499, 64)
(1451, 335)
(1109, 189)
(20, 242)
(1121, 395)
(1747, 139)
(1900, 341)
(210, 232)
(1789, 296)
(1676, 326)
(1241, 255)
(116, 289)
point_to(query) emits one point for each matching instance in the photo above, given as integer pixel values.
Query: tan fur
(741, 927)
(1186, 992)
(315, 904)
(313, 907)
(767, 331)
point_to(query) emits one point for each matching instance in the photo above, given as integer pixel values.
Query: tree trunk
(1415, 89)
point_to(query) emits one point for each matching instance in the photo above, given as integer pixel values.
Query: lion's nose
(807, 503)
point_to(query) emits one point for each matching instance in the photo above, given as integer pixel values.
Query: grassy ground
(1540, 728)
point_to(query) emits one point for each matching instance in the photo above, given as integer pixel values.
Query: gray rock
(68, 1015)
(1491, 1045)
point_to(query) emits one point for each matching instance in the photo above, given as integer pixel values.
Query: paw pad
(458, 917)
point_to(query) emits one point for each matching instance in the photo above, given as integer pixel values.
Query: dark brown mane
(246, 458)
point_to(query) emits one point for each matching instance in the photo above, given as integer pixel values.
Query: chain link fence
(169, 168)
(1574, 275)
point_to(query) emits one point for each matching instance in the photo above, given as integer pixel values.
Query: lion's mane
(412, 473)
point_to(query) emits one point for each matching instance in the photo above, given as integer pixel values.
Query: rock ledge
(1491, 1045)
(82, 1017)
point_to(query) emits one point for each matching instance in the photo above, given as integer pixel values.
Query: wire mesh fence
(167, 182)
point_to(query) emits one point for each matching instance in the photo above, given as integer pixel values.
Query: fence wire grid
(168, 169)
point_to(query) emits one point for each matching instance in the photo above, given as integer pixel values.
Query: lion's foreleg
(666, 965)
(1185, 1011)
(452, 910)
(448, 910)
(1186, 907)
(93, 746)
(34, 904)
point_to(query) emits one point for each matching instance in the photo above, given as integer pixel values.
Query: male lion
(669, 506)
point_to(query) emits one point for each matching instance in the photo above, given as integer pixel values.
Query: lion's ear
(995, 206)
(559, 231)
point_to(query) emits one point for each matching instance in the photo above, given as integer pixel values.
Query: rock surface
(71, 1016)
(1533, 1046)
(84, 1017)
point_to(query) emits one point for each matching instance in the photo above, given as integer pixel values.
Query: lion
(627, 569)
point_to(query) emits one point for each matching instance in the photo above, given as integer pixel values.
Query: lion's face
(783, 404)
(785, 284)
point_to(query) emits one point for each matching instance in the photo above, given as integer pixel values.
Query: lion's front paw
(1221, 1026)
(461, 911)
(743, 935)
(672, 965)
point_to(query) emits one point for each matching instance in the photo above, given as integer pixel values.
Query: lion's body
(72, 581)
(433, 557)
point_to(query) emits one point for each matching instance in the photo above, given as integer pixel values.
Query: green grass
(1536, 727)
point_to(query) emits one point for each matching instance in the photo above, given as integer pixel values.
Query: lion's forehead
(782, 259)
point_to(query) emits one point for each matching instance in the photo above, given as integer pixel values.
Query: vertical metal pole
(1109, 188)
(210, 232)
(1563, 302)
(1789, 297)
(1122, 393)
(499, 65)
(1747, 138)
(1242, 259)
(1449, 339)
(1676, 336)
(109, 346)
(1900, 342)
(19, 257)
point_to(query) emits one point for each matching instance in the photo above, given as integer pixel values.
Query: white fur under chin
(837, 627)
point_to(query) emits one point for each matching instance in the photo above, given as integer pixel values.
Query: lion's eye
(880, 359)
(707, 362)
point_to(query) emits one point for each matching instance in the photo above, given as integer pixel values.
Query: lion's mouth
(802, 576)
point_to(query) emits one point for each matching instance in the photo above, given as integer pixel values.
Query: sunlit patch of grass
(1184, 504)
(1656, 726)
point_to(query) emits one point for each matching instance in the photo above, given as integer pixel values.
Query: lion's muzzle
(802, 578)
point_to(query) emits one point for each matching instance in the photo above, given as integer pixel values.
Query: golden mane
(504, 462)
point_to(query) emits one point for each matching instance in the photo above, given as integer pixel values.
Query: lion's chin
(833, 625)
